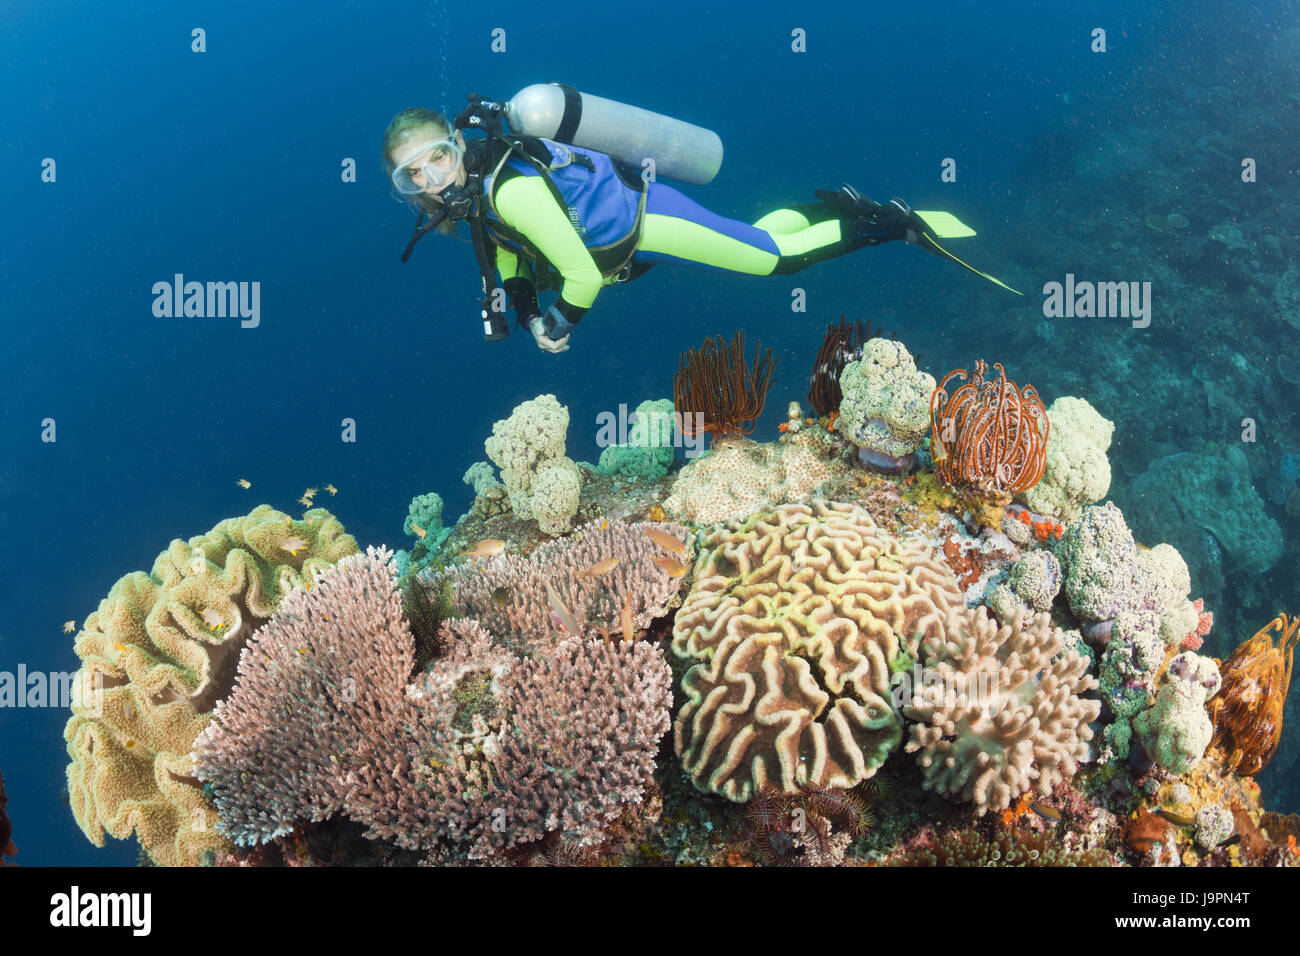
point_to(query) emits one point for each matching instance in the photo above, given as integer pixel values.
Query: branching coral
(794, 621)
(1247, 711)
(1001, 709)
(165, 646)
(989, 435)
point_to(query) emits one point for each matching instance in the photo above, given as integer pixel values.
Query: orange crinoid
(989, 435)
(1247, 710)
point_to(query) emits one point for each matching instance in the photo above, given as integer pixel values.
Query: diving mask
(433, 164)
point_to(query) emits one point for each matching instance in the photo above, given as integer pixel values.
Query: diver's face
(431, 166)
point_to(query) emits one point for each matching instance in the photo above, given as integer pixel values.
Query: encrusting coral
(1001, 709)
(165, 646)
(795, 620)
(739, 476)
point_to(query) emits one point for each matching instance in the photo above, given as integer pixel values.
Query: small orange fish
(562, 613)
(629, 626)
(484, 549)
(130, 744)
(419, 532)
(664, 540)
(69, 627)
(670, 564)
(243, 483)
(600, 569)
(293, 544)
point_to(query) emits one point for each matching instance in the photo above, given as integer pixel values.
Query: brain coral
(794, 620)
(1000, 709)
(740, 476)
(165, 645)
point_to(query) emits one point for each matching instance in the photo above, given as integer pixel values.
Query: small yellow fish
(600, 569)
(665, 540)
(1177, 819)
(419, 532)
(562, 613)
(119, 647)
(130, 744)
(1047, 813)
(243, 483)
(501, 596)
(310, 493)
(629, 626)
(484, 549)
(938, 451)
(69, 627)
(604, 524)
(293, 544)
(331, 489)
(305, 501)
(670, 564)
(213, 618)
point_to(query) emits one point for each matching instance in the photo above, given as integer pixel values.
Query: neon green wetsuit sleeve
(525, 204)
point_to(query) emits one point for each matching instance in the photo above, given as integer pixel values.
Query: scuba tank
(558, 112)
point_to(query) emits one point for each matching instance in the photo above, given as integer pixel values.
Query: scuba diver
(552, 211)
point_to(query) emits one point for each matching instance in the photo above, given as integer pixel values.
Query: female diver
(546, 214)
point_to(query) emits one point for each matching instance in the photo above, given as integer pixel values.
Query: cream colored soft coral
(999, 710)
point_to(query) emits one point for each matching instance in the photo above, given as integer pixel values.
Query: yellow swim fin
(944, 225)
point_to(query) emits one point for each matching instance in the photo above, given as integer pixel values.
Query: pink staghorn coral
(561, 741)
(1194, 638)
(324, 675)
(486, 751)
(999, 711)
(507, 593)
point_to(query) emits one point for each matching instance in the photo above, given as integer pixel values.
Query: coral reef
(1176, 730)
(7, 848)
(1247, 711)
(1187, 496)
(315, 685)
(794, 624)
(1017, 721)
(1076, 470)
(739, 476)
(648, 454)
(990, 436)
(164, 646)
(528, 447)
(717, 391)
(885, 409)
(840, 346)
(508, 594)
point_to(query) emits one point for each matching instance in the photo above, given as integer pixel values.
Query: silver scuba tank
(680, 150)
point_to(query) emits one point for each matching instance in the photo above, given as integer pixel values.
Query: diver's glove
(551, 331)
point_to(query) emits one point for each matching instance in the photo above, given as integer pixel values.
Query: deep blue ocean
(226, 165)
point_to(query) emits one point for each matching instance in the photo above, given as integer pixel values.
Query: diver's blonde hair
(402, 127)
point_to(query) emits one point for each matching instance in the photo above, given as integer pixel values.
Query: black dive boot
(869, 221)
